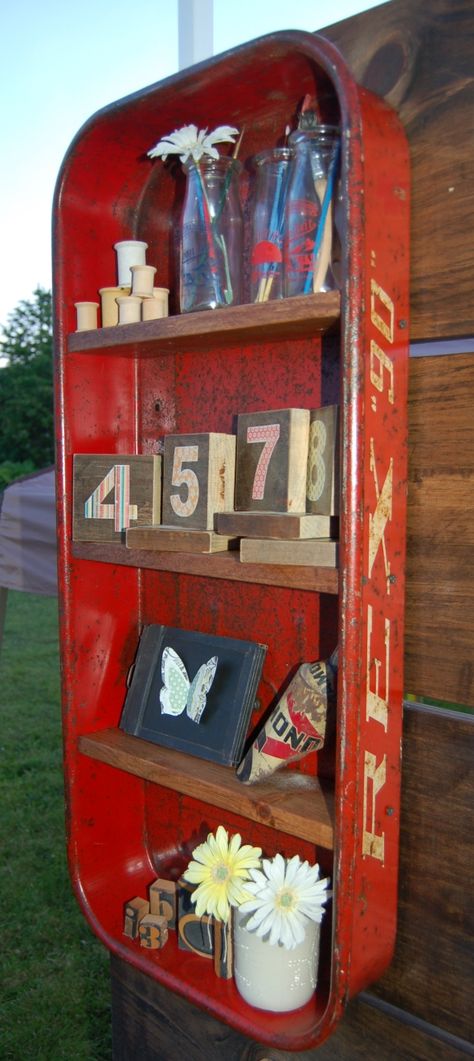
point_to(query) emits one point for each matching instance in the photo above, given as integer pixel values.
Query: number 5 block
(198, 479)
(272, 453)
(112, 492)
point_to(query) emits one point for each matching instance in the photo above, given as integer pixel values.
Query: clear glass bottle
(310, 247)
(268, 221)
(211, 235)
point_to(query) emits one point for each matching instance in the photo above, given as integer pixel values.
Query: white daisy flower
(286, 894)
(189, 141)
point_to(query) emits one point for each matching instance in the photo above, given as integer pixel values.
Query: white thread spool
(109, 307)
(153, 308)
(129, 308)
(86, 314)
(142, 280)
(129, 252)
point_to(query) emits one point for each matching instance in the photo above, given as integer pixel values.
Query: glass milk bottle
(310, 245)
(211, 235)
(268, 220)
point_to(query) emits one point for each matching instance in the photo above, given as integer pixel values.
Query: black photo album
(193, 692)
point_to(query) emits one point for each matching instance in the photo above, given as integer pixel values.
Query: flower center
(220, 873)
(286, 899)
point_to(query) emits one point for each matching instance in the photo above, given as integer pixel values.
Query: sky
(62, 62)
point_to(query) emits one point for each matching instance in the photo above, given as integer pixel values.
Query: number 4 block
(272, 452)
(198, 479)
(112, 492)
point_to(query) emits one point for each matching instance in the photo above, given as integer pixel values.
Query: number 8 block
(198, 479)
(272, 452)
(322, 488)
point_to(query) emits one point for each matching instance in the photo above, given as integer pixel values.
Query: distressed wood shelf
(292, 803)
(290, 317)
(217, 565)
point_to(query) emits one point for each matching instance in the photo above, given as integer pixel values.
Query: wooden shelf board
(216, 565)
(293, 803)
(293, 317)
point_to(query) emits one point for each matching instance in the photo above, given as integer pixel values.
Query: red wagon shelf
(135, 811)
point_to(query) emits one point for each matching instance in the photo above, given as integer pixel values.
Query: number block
(272, 453)
(198, 479)
(153, 932)
(112, 492)
(322, 485)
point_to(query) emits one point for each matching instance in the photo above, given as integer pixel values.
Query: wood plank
(432, 971)
(153, 1024)
(313, 551)
(295, 803)
(419, 56)
(221, 565)
(174, 540)
(302, 315)
(439, 630)
(289, 525)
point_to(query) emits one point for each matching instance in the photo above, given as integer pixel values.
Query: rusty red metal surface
(121, 829)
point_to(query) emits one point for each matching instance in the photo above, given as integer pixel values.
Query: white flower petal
(292, 870)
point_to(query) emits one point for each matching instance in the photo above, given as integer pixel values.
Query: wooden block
(195, 934)
(135, 911)
(198, 479)
(322, 484)
(113, 491)
(223, 949)
(314, 552)
(179, 540)
(272, 453)
(288, 525)
(153, 931)
(163, 900)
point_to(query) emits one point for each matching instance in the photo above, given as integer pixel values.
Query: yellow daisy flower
(220, 866)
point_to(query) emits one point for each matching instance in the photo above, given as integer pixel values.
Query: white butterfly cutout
(178, 692)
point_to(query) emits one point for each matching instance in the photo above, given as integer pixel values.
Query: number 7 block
(272, 453)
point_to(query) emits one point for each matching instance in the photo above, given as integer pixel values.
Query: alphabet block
(322, 486)
(198, 479)
(195, 934)
(153, 931)
(112, 492)
(163, 900)
(272, 453)
(223, 949)
(135, 911)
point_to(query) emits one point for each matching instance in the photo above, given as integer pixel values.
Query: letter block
(195, 934)
(272, 453)
(223, 949)
(135, 911)
(322, 486)
(112, 492)
(163, 900)
(198, 479)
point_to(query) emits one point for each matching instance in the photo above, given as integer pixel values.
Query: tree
(26, 383)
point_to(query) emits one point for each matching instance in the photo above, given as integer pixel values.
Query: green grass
(54, 974)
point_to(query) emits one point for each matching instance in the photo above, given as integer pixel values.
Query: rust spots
(222, 480)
